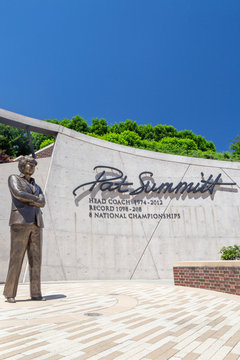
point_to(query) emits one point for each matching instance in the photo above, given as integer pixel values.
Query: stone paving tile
(190, 356)
(35, 355)
(146, 333)
(232, 356)
(137, 321)
(234, 339)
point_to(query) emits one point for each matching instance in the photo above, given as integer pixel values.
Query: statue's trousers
(24, 238)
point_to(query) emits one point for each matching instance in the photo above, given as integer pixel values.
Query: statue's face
(29, 168)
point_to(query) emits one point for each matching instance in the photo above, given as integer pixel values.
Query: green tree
(235, 146)
(13, 140)
(38, 139)
(186, 134)
(114, 128)
(201, 143)
(132, 138)
(77, 123)
(99, 126)
(130, 125)
(161, 131)
(65, 122)
(145, 132)
(123, 126)
(161, 138)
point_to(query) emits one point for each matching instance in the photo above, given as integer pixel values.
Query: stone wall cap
(22, 122)
(214, 263)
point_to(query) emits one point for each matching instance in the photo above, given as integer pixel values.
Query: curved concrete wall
(129, 232)
(110, 235)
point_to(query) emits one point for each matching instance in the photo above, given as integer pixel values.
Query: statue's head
(26, 165)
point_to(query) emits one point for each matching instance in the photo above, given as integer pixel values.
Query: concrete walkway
(131, 321)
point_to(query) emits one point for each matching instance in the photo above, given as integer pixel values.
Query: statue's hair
(23, 160)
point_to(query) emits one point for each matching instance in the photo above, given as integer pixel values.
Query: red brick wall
(224, 279)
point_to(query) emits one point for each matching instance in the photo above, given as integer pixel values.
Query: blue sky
(174, 62)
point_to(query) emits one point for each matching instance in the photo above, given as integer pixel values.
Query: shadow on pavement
(47, 297)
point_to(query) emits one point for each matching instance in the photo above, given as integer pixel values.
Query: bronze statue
(26, 229)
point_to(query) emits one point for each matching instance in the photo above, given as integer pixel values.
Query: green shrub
(38, 139)
(132, 138)
(209, 154)
(177, 146)
(116, 138)
(230, 252)
(145, 132)
(150, 145)
(99, 126)
(226, 155)
(162, 131)
(46, 143)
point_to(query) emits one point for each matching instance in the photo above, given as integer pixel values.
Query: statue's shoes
(38, 298)
(11, 300)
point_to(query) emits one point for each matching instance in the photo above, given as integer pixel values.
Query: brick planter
(221, 276)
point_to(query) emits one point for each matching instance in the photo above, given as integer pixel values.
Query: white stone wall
(77, 246)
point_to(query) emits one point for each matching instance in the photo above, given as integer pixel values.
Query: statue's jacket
(27, 198)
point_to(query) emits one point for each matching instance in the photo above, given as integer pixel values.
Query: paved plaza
(122, 320)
